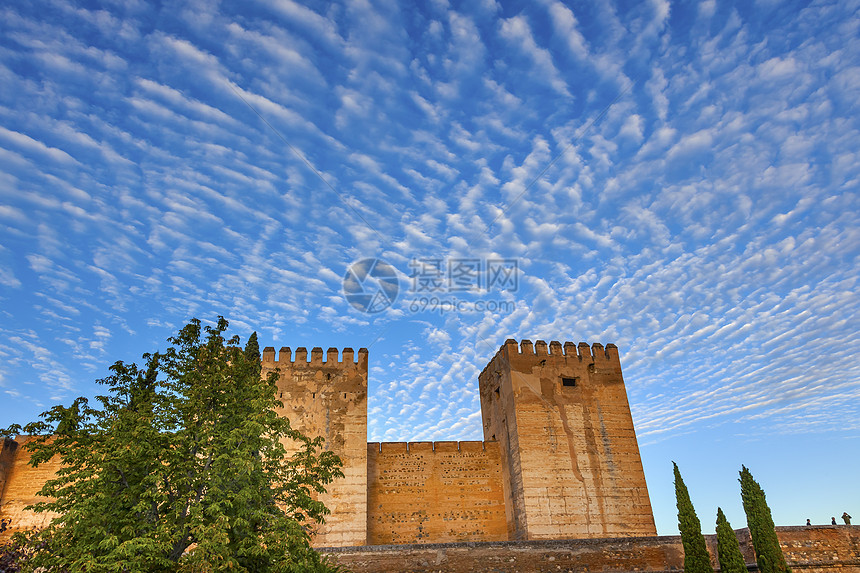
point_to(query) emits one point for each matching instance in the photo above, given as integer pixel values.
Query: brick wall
(7, 458)
(808, 549)
(21, 484)
(440, 492)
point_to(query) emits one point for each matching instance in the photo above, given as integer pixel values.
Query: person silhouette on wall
(846, 518)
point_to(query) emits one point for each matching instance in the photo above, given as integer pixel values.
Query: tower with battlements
(570, 459)
(327, 397)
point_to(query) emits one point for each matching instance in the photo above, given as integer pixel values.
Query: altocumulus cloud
(679, 180)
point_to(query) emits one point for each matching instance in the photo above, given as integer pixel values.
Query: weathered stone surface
(8, 451)
(570, 457)
(620, 554)
(809, 549)
(328, 398)
(20, 485)
(559, 474)
(816, 549)
(426, 492)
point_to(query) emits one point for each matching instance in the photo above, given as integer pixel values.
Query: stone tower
(328, 398)
(570, 460)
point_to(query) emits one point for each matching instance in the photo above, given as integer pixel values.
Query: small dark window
(497, 392)
(570, 382)
(314, 395)
(493, 438)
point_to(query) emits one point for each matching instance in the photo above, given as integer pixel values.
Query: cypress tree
(728, 548)
(696, 557)
(252, 348)
(768, 553)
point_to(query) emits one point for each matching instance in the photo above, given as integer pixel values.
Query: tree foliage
(18, 550)
(767, 549)
(181, 468)
(696, 556)
(728, 549)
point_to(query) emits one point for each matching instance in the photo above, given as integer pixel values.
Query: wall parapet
(816, 549)
(595, 353)
(285, 357)
(582, 350)
(441, 446)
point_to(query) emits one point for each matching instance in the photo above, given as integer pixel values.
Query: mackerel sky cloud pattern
(680, 179)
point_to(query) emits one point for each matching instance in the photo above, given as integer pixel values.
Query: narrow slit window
(497, 392)
(569, 382)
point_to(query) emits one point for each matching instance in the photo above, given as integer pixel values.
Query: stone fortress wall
(816, 549)
(438, 492)
(559, 457)
(19, 483)
(556, 485)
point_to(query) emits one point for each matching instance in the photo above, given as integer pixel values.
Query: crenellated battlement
(285, 359)
(422, 447)
(321, 374)
(583, 351)
(525, 353)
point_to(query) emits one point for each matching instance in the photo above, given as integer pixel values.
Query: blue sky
(680, 179)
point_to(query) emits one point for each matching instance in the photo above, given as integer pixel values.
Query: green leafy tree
(181, 468)
(728, 549)
(696, 556)
(768, 553)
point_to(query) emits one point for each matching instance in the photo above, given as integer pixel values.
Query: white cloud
(518, 33)
(32, 146)
(566, 27)
(705, 224)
